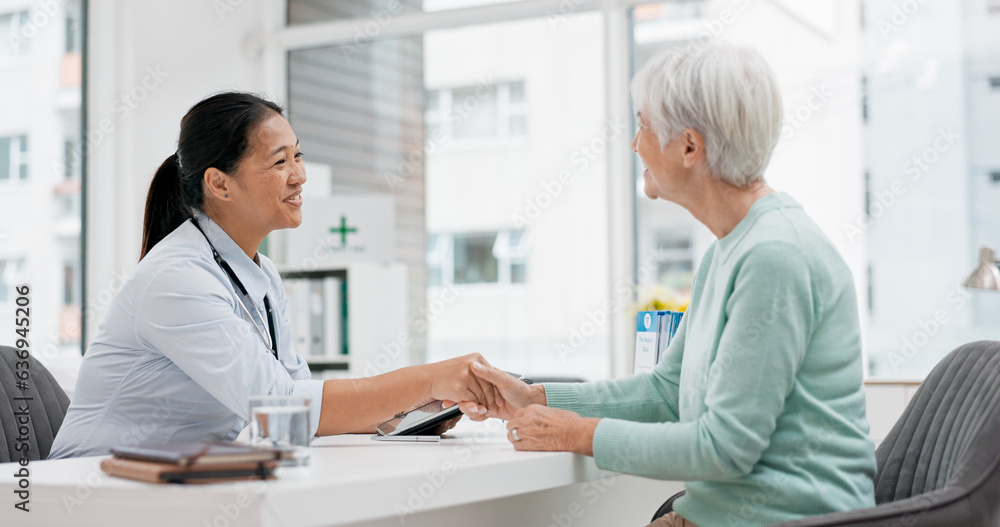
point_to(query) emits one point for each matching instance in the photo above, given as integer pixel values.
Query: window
(73, 35)
(909, 212)
(13, 158)
(438, 259)
(474, 260)
(675, 260)
(387, 107)
(42, 171)
(864, 99)
(71, 160)
(492, 258)
(511, 252)
(477, 112)
(868, 193)
(10, 277)
(14, 42)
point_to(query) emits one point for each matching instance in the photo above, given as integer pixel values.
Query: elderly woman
(758, 406)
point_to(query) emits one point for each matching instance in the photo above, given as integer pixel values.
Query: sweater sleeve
(767, 321)
(648, 397)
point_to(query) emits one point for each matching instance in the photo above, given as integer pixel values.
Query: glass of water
(281, 421)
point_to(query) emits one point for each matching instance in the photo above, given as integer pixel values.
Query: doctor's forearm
(356, 405)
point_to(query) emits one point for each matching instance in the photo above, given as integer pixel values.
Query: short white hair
(727, 93)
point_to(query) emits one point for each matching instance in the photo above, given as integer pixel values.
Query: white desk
(475, 478)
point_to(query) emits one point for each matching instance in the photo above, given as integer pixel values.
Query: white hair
(727, 93)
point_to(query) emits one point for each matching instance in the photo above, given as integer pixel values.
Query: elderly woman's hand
(509, 394)
(539, 427)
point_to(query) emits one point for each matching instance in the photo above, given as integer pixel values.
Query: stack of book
(199, 462)
(654, 331)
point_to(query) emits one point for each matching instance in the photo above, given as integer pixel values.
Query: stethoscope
(271, 342)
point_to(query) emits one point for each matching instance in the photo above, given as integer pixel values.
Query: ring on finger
(513, 435)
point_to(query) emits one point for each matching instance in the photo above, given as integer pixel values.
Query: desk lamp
(986, 276)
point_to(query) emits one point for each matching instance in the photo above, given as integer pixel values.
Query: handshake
(483, 391)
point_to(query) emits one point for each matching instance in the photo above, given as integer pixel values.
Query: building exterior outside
(516, 201)
(40, 176)
(931, 72)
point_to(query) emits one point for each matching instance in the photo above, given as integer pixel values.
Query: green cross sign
(343, 230)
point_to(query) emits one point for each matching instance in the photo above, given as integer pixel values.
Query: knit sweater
(758, 404)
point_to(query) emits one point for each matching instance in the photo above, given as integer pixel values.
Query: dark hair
(214, 133)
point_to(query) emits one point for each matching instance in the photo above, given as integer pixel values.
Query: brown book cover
(198, 453)
(154, 472)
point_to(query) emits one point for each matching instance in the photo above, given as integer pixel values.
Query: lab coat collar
(254, 278)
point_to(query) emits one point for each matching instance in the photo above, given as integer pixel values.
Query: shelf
(324, 365)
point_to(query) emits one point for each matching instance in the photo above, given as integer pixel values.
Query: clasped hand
(538, 427)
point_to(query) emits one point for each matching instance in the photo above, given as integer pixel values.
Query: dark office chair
(940, 464)
(46, 408)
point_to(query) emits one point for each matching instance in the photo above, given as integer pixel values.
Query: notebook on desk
(199, 453)
(153, 472)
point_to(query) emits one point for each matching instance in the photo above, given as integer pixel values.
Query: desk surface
(353, 478)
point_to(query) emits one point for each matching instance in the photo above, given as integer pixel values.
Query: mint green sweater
(758, 405)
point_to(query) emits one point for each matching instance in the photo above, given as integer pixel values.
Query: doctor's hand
(541, 428)
(510, 394)
(453, 380)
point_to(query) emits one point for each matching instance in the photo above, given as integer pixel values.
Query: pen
(521, 378)
(410, 439)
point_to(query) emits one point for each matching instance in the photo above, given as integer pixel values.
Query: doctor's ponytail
(215, 133)
(165, 205)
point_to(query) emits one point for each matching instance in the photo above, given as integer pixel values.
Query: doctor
(202, 324)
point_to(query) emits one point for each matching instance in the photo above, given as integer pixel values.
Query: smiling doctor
(202, 324)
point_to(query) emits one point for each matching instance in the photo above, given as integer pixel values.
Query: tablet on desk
(421, 421)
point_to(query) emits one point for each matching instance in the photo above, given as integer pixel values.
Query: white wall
(148, 63)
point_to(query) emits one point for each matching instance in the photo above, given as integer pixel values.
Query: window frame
(22, 16)
(617, 59)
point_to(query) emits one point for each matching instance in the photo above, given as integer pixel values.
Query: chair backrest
(948, 436)
(46, 408)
